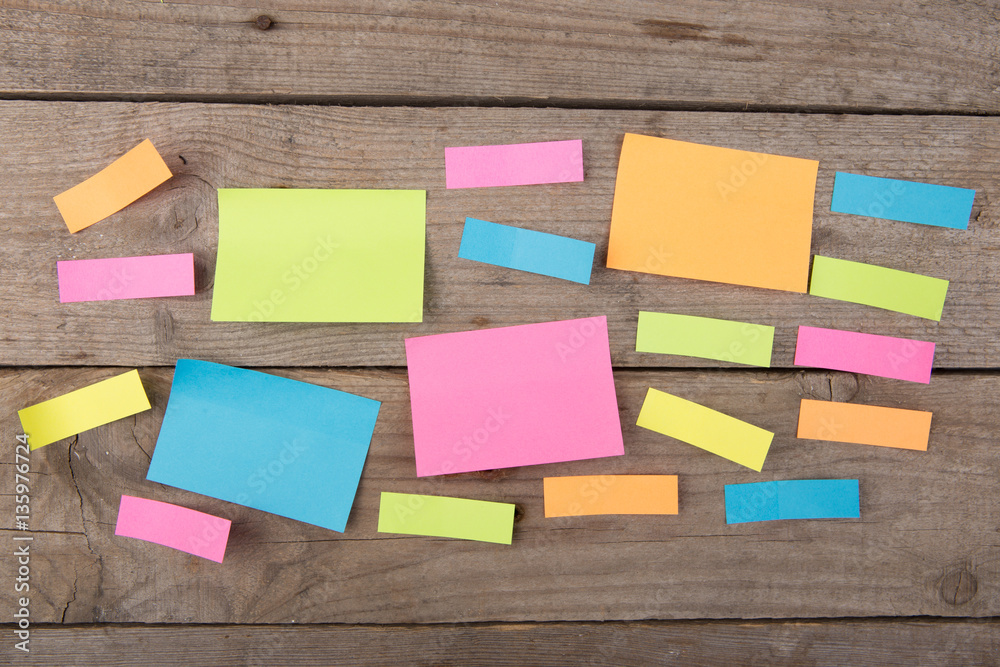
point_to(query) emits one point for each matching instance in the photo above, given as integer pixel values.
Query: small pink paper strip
(885, 356)
(176, 527)
(125, 277)
(514, 164)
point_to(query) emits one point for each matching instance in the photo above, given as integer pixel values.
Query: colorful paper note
(905, 201)
(436, 516)
(903, 292)
(172, 526)
(527, 250)
(113, 188)
(125, 277)
(704, 337)
(81, 410)
(320, 256)
(709, 213)
(885, 356)
(864, 424)
(793, 499)
(514, 396)
(705, 428)
(263, 441)
(587, 495)
(513, 164)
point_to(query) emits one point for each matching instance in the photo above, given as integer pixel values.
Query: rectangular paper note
(81, 410)
(436, 516)
(793, 499)
(125, 277)
(113, 188)
(172, 526)
(903, 292)
(704, 337)
(513, 164)
(708, 213)
(864, 424)
(885, 356)
(527, 250)
(587, 495)
(267, 442)
(513, 396)
(705, 428)
(905, 201)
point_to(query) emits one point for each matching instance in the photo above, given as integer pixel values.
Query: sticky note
(527, 250)
(793, 499)
(173, 526)
(513, 396)
(263, 441)
(903, 292)
(708, 213)
(587, 495)
(320, 256)
(113, 188)
(437, 516)
(905, 201)
(864, 424)
(125, 277)
(704, 337)
(81, 410)
(705, 428)
(885, 356)
(513, 164)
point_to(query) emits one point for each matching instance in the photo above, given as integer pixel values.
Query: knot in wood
(263, 22)
(959, 586)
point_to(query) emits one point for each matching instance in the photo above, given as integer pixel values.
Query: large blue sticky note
(906, 201)
(527, 250)
(793, 499)
(274, 444)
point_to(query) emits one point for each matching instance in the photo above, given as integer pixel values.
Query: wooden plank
(212, 146)
(926, 543)
(911, 55)
(880, 642)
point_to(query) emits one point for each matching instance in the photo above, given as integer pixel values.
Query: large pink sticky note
(898, 358)
(125, 277)
(515, 396)
(176, 527)
(513, 164)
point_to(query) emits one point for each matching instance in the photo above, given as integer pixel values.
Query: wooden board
(214, 146)
(882, 55)
(926, 544)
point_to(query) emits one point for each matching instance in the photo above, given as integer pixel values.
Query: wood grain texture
(926, 543)
(689, 644)
(895, 55)
(51, 146)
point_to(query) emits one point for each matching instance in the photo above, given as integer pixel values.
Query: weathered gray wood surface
(879, 55)
(50, 146)
(926, 543)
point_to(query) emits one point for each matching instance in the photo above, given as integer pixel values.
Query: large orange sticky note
(586, 495)
(864, 424)
(694, 211)
(113, 188)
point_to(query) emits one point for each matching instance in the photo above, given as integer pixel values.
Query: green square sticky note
(320, 256)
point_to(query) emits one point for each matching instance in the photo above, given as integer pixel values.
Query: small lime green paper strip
(81, 410)
(705, 337)
(705, 428)
(903, 292)
(437, 516)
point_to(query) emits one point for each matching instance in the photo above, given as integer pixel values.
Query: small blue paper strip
(527, 250)
(906, 201)
(793, 499)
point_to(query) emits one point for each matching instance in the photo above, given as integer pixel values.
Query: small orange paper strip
(113, 188)
(610, 494)
(864, 424)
